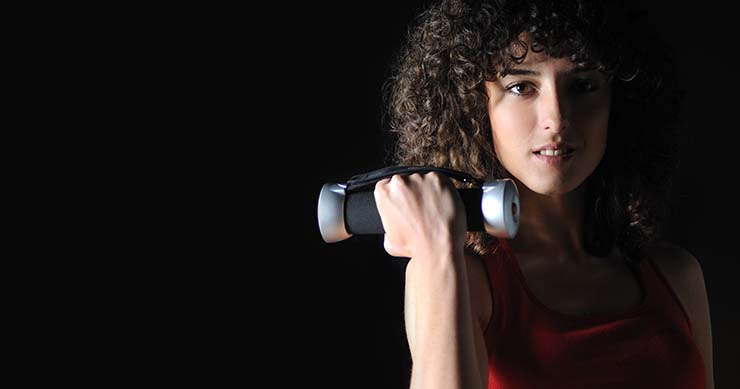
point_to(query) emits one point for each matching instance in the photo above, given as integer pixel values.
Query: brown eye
(520, 89)
(585, 86)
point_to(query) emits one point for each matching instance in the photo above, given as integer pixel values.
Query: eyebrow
(528, 72)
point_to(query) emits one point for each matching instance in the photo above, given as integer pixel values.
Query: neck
(551, 226)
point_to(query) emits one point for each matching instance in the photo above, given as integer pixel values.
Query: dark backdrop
(354, 291)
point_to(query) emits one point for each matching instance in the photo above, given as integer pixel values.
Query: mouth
(561, 152)
(555, 157)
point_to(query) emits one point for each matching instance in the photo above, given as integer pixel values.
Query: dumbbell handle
(493, 208)
(361, 215)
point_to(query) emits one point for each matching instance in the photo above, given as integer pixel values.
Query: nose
(551, 111)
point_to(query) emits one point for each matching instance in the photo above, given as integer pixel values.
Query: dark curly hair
(438, 105)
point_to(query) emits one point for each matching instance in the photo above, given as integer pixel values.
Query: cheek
(597, 116)
(598, 129)
(509, 126)
(591, 122)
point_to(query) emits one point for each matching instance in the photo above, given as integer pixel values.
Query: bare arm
(443, 336)
(694, 295)
(686, 277)
(481, 309)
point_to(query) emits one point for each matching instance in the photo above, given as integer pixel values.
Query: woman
(574, 102)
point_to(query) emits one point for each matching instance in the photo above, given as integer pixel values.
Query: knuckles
(413, 184)
(401, 180)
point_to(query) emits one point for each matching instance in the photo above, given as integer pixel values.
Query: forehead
(532, 55)
(538, 60)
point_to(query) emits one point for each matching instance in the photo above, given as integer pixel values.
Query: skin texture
(556, 102)
(424, 220)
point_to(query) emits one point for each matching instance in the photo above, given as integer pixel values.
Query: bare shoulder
(677, 264)
(481, 301)
(684, 274)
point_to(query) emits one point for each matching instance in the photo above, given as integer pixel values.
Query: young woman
(574, 101)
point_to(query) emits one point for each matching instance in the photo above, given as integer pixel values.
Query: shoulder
(685, 276)
(481, 300)
(683, 273)
(681, 269)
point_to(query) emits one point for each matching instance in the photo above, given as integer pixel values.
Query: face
(549, 121)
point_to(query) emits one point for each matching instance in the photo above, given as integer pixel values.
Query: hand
(421, 215)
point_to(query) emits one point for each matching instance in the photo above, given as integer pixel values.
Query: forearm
(441, 324)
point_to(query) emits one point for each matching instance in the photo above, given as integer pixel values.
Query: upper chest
(606, 288)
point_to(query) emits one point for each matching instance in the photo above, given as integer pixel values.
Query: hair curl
(438, 106)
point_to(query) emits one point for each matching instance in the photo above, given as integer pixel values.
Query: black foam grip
(361, 214)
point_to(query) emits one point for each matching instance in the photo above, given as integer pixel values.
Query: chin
(552, 188)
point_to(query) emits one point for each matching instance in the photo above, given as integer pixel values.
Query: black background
(352, 297)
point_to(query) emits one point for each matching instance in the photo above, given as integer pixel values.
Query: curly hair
(438, 105)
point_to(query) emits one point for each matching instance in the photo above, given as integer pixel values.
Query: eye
(521, 88)
(585, 86)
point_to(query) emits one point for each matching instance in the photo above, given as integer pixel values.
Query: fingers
(387, 192)
(392, 248)
(398, 181)
(412, 209)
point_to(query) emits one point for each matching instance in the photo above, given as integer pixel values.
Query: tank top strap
(510, 300)
(512, 297)
(662, 292)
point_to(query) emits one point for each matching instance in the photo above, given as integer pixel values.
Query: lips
(557, 148)
(555, 154)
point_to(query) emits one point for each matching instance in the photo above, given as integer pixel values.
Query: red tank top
(532, 346)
